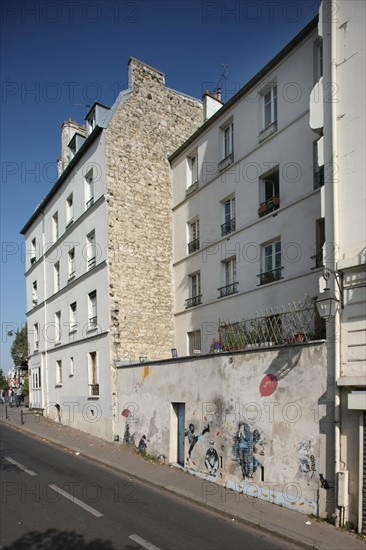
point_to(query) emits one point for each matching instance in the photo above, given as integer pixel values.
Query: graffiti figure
(212, 460)
(128, 439)
(192, 438)
(304, 462)
(142, 445)
(244, 449)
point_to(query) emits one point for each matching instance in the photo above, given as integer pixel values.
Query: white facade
(248, 226)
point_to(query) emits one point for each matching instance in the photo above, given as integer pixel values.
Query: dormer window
(90, 122)
(69, 210)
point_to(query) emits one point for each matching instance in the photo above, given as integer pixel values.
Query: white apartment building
(337, 115)
(93, 245)
(247, 219)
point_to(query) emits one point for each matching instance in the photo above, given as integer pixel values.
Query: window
(89, 189)
(93, 374)
(91, 122)
(194, 342)
(194, 236)
(92, 309)
(58, 373)
(33, 251)
(229, 217)
(71, 263)
(58, 327)
(318, 170)
(194, 290)
(228, 140)
(229, 276)
(269, 192)
(73, 318)
(69, 210)
(91, 250)
(318, 60)
(56, 268)
(71, 373)
(55, 231)
(192, 174)
(34, 293)
(271, 263)
(320, 240)
(36, 337)
(270, 107)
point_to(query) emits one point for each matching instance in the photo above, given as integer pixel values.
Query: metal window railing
(94, 389)
(228, 289)
(270, 205)
(228, 227)
(193, 301)
(270, 276)
(193, 246)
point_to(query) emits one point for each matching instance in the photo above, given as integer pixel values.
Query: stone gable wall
(149, 125)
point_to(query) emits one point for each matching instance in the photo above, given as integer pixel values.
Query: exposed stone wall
(149, 125)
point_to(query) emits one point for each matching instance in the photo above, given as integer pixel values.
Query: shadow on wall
(285, 361)
(52, 539)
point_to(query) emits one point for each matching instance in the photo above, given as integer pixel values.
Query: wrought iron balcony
(228, 227)
(90, 203)
(33, 260)
(193, 246)
(318, 258)
(193, 301)
(319, 178)
(228, 289)
(94, 389)
(270, 276)
(91, 263)
(92, 323)
(34, 301)
(268, 206)
(229, 159)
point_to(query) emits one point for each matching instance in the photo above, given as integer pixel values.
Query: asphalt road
(52, 499)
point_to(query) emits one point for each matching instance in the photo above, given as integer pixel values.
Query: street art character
(244, 448)
(143, 445)
(304, 458)
(193, 438)
(212, 460)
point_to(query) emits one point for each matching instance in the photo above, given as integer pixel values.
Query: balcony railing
(228, 289)
(268, 206)
(91, 263)
(192, 188)
(193, 301)
(319, 178)
(34, 301)
(229, 159)
(228, 227)
(318, 259)
(94, 389)
(90, 203)
(33, 260)
(70, 222)
(270, 276)
(193, 246)
(92, 323)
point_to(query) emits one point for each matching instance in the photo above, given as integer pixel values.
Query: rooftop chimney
(211, 103)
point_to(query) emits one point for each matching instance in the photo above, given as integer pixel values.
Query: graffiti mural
(244, 448)
(304, 457)
(212, 460)
(129, 440)
(193, 438)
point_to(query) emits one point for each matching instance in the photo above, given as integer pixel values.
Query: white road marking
(143, 542)
(24, 468)
(76, 501)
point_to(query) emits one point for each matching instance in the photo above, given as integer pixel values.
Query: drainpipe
(44, 383)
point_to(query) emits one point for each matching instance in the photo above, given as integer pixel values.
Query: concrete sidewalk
(287, 524)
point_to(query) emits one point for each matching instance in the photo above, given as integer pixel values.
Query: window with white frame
(194, 290)
(228, 215)
(36, 336)
(69, 209)
(56, 269)
(269, 113)
(229, 277)
(318, 170)
(58, 327)
(71, 372)
(319, 243)
(228, 136)
(194, 342)
(271, 262)
(34, 293)
(318, 59)
(55, 228)
(269, 191)
(59, 372)
(89, 189)
(90, 122)
(33, 251)
(93, 375)
(73, 317)
(193, 164)
(92, 310)
(193, 236)
(91, 250)
(71, 263)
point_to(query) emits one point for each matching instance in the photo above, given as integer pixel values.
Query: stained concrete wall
(254, 421)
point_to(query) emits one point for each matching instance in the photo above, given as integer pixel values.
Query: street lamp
(327, 304)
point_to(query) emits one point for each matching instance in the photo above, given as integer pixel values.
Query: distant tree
(3, 381)
(19, 348)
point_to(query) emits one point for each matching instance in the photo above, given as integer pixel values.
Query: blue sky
(59, 56)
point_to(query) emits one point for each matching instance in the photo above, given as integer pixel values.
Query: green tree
(19, 348)
(3, 381)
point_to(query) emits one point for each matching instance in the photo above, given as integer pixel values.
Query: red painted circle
(268, 385)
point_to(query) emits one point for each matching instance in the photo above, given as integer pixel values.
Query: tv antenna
(224, 75)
